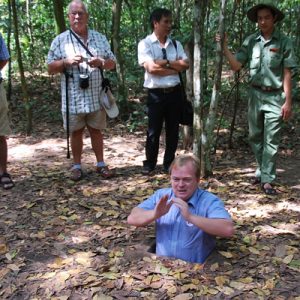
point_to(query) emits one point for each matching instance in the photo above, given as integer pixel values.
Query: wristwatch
(168, 64)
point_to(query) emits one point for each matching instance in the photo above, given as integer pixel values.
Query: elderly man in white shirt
(68, 52)
(162, 62)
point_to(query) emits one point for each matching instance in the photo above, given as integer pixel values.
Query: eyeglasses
(79, 13)
(186, 180)
(164, 53)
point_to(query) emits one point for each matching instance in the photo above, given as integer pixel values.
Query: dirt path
(65, 240)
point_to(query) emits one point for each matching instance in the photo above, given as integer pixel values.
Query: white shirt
(150, 49)
(65, 45)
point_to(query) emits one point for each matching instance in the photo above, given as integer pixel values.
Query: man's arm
(142, 217)
(217, 227)
(235, 65)
(58, 66)
(158, 67)
(286, 109)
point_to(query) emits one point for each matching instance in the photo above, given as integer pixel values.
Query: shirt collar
(195, 197)
(153, 39)
(275, 35)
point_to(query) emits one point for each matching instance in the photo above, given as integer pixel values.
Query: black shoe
(147, 170)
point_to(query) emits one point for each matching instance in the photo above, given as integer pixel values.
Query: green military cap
(252, 12)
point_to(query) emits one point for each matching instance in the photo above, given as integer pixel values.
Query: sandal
(270, 191)
(6, 181)
(76, 174)
(105, 172)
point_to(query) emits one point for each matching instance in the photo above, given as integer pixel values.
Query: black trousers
(163, 107)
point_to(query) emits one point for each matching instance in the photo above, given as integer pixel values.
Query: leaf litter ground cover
(66, 240)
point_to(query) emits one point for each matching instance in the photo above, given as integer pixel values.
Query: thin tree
(208, 134)
(58, 9)
(200, 8)
(9, 86)
(122, 90)
(27, 104)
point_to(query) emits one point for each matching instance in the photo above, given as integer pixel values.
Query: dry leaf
(3, 249)
(220, 280)
(214, 267)
(185, 296)
(288, 259)
(226, 254)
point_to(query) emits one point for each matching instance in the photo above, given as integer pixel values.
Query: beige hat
(108, 102)
(252, 12)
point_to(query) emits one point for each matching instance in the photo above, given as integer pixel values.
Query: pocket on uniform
(275, 61)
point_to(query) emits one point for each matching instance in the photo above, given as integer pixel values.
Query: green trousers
(265, 122)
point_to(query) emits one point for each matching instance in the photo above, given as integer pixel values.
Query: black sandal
(6, 181)
(268, 191)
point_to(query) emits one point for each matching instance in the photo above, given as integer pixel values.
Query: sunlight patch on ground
(18, 152)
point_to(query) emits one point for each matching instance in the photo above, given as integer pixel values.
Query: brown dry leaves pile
(65, 240)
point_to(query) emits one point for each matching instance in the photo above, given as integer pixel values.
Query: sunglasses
(164, 53)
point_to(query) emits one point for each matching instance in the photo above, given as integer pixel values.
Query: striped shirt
(66, 45)
(4, 55)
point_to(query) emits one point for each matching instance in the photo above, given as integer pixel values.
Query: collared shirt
(267, 59)
(66, 45)
(150, 49)
(4, 55)
(175, 237)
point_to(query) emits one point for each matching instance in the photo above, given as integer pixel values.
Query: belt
(266, 88)
(165, 90)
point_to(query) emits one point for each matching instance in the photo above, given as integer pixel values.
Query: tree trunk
(9, 86)
(237, 80)
(27, 104)
(187, 131)
(29, 31)
(58, 9)
(208, 134)
(122, 91)
(199, 17)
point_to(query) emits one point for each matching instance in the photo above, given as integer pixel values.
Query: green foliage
(37, 30)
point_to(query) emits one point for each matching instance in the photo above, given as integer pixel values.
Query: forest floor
(65, 240)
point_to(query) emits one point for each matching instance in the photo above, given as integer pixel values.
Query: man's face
(265, 20)
(164, 26)
(78, 18)
(184, 181)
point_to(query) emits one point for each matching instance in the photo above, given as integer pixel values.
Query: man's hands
(93, 62)
(286, 111)
(183, 206)
(162, 207)
(73, 61)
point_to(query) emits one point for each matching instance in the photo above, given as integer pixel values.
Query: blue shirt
(175, 237)
(4, 55)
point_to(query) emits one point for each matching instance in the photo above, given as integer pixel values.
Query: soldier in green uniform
(270, 57)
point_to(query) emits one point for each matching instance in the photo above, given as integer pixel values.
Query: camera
(84, 81)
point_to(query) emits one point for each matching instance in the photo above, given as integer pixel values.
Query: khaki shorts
(4, 121)
(96, 120)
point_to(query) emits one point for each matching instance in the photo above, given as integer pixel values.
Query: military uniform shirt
(267, 59)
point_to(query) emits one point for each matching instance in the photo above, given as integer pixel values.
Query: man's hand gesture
(183, 206)
(162, 207)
